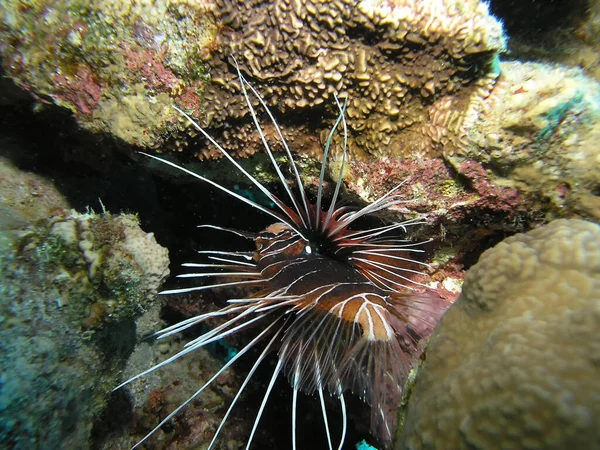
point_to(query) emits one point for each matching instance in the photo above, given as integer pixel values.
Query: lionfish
(336, 303)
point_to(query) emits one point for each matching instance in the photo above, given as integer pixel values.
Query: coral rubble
(514, 363)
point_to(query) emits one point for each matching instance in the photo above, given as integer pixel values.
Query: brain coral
(515, 363)
(409, 68)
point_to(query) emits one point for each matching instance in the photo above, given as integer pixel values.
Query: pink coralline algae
(492, 196)
(149, 66)
(435, 187)
(82, 90)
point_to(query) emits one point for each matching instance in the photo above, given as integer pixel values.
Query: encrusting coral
(538, 132)
(514, 362)
(117, 65)
(122, 263)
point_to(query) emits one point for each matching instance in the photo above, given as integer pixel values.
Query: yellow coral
(411, 69)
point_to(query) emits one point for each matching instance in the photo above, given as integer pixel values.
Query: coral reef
(70, 288)
(538, 132)
(486, 148)
(529, 155)
(514, 362)
(410, 69)
(117, 65)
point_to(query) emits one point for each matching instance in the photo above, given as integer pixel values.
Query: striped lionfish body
(335, 303)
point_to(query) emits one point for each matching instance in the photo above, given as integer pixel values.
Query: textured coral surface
(410, 69)
(514, 363)
(538, 133)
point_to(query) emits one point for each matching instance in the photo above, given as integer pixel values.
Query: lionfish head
(335, 302)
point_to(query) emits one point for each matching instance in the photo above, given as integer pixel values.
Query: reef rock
(515, 361)
(529, 153)
(70, 289)
(118, 65)
(538, 132)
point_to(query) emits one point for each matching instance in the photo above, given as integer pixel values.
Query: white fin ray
(243, 84)
(205, 385)
(385, 255)
(187, 349)
(244, 234)
(323, 167)
(382, 202)
(338, 184)
(246, 255)
(234, 265)
(260, 358)
(255, 205)
(219, 274)
(344, 419)
(212, 286)
(211, 337)
(264, 402)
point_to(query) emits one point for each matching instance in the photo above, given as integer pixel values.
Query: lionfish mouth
(341, 316)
